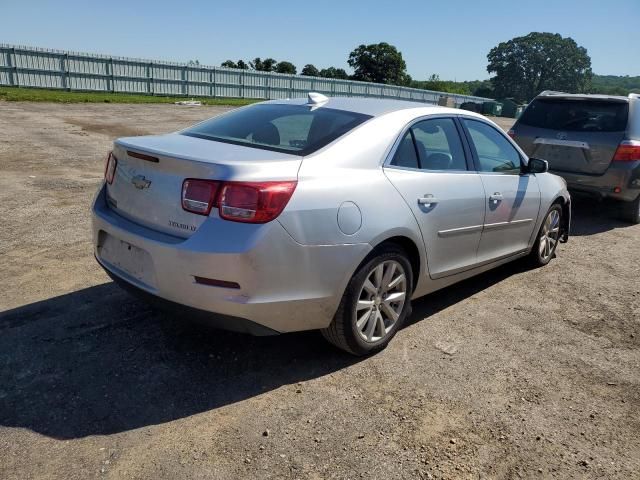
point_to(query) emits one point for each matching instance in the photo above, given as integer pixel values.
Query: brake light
(199, 196)
(250, 202)
(511, 133)
(254, 202)
(110, 168)
(627, 151)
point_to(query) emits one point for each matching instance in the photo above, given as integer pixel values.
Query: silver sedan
(320, 213)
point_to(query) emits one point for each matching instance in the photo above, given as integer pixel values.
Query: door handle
(427, 200)
(496, 197)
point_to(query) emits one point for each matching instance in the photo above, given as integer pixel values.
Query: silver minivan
(592, 141)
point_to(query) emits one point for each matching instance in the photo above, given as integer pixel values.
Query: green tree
(380, 63)
(486, 92)
(406, 80)
(333, 72)
(615, 85)
(525, 66)
(286, 67)
(435, 83)
(310, 70)
(241, 64)
(266, 65)
(256, 64)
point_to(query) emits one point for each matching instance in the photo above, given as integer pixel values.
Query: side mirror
(537, 165)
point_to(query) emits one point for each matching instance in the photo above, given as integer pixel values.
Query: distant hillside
(606, 84)
(615, 85)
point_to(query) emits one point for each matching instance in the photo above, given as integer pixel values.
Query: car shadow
(98, 361)
(591, 216)
(437, 301)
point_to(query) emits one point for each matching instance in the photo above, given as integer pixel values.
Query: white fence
(46, 68)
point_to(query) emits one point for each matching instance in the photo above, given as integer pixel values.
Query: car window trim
(471, 164)
(409, 128)
(415, 148)
(474, 152)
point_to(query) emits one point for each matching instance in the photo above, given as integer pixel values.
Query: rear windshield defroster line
(293, 129)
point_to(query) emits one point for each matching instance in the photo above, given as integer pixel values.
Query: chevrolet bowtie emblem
(140, 182)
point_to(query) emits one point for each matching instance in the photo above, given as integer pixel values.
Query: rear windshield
(295, 129)
(576, 115)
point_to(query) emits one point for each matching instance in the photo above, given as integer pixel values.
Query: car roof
(367, 106)
(582, 96)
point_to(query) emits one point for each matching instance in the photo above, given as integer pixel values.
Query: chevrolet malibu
(318, 213)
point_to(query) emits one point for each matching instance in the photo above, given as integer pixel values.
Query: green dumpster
(492, 108)
(510, 107)
(472, 106)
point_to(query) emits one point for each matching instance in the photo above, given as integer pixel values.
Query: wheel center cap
(377, 301)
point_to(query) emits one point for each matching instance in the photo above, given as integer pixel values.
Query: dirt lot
(516, 373)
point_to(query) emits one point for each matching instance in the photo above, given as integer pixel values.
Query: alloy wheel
(381, 300)
(549, 235)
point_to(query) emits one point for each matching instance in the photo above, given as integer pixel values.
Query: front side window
(294, 129)
(495, 153)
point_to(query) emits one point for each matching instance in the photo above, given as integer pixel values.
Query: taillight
(110, 168)
(628, 151)
(254, 202)
(511, 133)
(199, 196)
(250, 202)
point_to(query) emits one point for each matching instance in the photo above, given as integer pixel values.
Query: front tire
(374, 305)
(548, 238)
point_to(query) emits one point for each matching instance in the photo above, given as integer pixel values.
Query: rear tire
(548, 238)
(631, 211)
(375, 304)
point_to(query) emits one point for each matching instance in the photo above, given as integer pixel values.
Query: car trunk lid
(147, 187)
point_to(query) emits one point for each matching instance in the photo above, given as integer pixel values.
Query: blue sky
(449, 38)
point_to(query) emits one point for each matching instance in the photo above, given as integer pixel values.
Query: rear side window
(431, 145)
(406, 155)
(576, 115)
(439, 145)
(294, 129)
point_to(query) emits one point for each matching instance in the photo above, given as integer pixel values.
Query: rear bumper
(224, 322)
(624, 176)
(284, 286)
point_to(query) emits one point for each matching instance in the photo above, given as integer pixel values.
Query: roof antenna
(317, 99)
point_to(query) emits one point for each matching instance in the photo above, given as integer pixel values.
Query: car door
(432, 170)
(512, 198)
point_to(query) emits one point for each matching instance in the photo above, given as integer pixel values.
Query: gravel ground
(515, 373)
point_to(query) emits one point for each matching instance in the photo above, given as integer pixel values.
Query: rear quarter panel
(350, 170)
